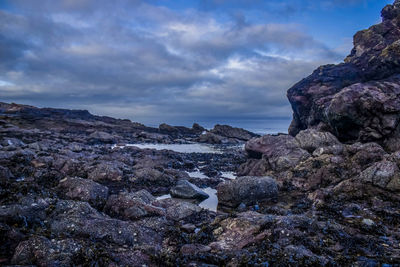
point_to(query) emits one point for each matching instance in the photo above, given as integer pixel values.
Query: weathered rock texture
(358, 100)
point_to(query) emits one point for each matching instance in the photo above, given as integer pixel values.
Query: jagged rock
(159, 138)
(84, 190)
(281, 152)
(211, 138)
(133, 206)
(246, 189)
(79, 219)
(177, 210)
(236, 233)
(184, 189)
(127, 257)
(198, 128)
(44, 252)
(180, 131)
(302, 254)
(27, 211)
(312, 139)
(192, 249)
(358, 99)
(384, 174)
(151, 176)
(106, 172)
(334, 150)
(232, 132)
(103, 137)
(168, 128)
(365, 154)
(319, 171)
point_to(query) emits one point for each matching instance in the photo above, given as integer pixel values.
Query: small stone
(368, 222)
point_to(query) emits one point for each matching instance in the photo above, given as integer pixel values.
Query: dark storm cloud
(136, 60)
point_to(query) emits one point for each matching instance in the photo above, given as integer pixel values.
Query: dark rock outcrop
(133, 206)
(247, 190)
(84, 190)
(184, 189)
(232, 132)
(357, 100)
(279, 151)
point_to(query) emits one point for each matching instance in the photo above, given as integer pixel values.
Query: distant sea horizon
(258, 126)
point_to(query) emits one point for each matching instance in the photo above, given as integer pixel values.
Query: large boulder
(280, 151)
(177, 210)
(84, 190)
(232, 132)
(80, 220)
(102, 137)
(184, 189)
(44, 252)
(247, 190)
(245, 229)
(211, 138)
(384, 174)
(312, 139)
(133, 206)
(106, 171)
(152, 177)
(360, 98)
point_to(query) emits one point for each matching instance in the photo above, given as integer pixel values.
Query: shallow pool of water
(181, 148)
(229, 175)
(210, 203)
(197, 174)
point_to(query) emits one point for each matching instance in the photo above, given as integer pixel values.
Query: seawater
(183, 148)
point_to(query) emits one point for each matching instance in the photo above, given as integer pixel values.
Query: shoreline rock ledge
(359, 99)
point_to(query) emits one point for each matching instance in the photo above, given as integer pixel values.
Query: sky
(174, 61)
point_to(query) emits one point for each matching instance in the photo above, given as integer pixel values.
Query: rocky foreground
(328, 194)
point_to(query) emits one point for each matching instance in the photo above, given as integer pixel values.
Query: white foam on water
(229, 175)
(197, 174)
(180, 148)
(164, 197)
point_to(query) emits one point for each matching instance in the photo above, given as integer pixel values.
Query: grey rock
(150, 176)
(312, 139)
(79, 219)
(281, 152)
(106, 172)
(358, 100)
(384, 174)
(184, 189)
(232, 132)
(248, 190)
(83, 190)
(44, 252)
(176, 209)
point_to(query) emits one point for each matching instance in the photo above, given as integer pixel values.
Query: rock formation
(358, 100)
(326, 195)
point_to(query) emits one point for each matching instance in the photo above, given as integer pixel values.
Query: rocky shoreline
(79, 189)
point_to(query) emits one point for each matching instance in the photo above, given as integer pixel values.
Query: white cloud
(139, 61)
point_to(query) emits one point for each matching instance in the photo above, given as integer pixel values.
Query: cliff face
(357, 100)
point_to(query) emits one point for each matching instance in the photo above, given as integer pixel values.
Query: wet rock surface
(248, 190)
(357, 100)
(184, 189)
(73, 194)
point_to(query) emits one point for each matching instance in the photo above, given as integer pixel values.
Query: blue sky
(172, 61)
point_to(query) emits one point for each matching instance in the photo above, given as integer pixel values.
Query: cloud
(146, 62)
